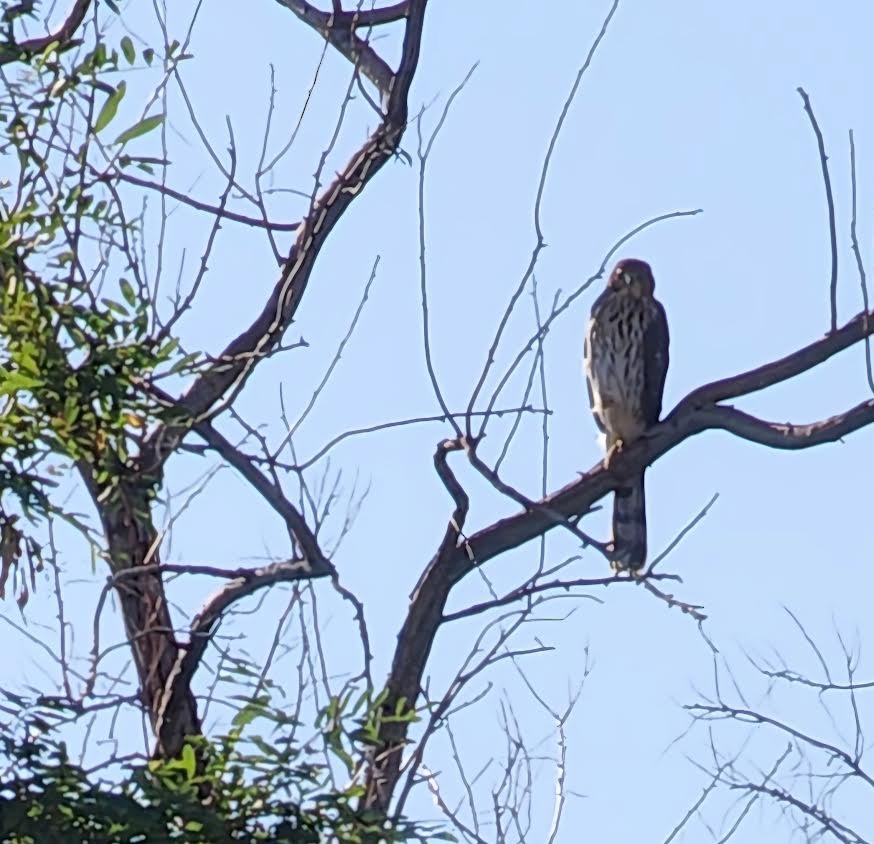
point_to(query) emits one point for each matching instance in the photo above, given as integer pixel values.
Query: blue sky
(686, 105)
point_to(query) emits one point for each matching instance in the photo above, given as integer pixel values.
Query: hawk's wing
(656, 341)
(589, 367)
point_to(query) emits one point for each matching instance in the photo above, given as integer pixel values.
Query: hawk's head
(634, 277)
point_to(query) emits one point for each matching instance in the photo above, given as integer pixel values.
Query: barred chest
(615, 369)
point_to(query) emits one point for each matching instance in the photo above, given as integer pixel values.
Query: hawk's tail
(629, 526)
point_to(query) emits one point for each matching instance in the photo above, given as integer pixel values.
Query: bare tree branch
(297, 526)
(696, 413)
(243, 353)
(787, 435)
(857, 254)
(372, 17)
(216, 210)
(62, 36)
(802, 360)
(830, 205)
(339, 32)
(245, 583)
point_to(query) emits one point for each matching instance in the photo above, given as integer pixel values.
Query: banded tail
(629, 527)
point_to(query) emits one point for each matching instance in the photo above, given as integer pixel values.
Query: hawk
(626, 361)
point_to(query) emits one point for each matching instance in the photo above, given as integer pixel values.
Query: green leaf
(141, 128)
(245, 716)
(127, 290)
(110, 107)
(127, 47)
(148, 55)
(189, 762)
(114, 307)
(16, 381)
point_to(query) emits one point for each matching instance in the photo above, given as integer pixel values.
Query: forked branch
(697, 412)
(62, 36)
(217, 387)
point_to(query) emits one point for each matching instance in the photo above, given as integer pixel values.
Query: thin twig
(830, 203)
(860, 266)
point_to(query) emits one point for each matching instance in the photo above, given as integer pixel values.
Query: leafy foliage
(82, 345)
(80, 340)
(252, 787)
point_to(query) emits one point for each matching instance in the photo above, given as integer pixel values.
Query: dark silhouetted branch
(339, 31)
(218, 211)
(806, 358)
(830, 204)
(696, 413)
(62, 36)
(372, 17)
(222, 382)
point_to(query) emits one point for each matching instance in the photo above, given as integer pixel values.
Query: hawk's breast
(615, 367)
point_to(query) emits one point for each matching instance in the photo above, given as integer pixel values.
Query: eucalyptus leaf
(110, 107)
(145, 125)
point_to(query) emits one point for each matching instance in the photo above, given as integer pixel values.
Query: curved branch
(374, 17)
(706, 711)
(786, 435)
(338, 30)
(697, 412)
(242, 354)
(315, 558)
(245, 583)
(63, 36)
(806, 358)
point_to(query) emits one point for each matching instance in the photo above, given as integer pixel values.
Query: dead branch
(830, 207)
(696, 413)
(768, 374)
(266, 331)
(339, 32)
(296, 523)
(700, 710)
(215, 210)
(361, 18)
(245, 583)
(63, 36)
(857, 254)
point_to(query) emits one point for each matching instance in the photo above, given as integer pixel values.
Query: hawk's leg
(618, 445)
(612, 452)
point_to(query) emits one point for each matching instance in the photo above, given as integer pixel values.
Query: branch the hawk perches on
(626, 362)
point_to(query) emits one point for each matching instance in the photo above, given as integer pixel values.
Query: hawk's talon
(633, 573)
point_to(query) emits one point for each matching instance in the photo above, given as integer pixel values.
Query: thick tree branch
(697, 412)
(373, 17)
(786, 435)
(338, 30)
(294, 520)
(245, 583)
(63, 35)
(417, 635)
(243, 353)
(806, 358)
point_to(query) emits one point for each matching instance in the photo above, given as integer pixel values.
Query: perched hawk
(626, 359)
